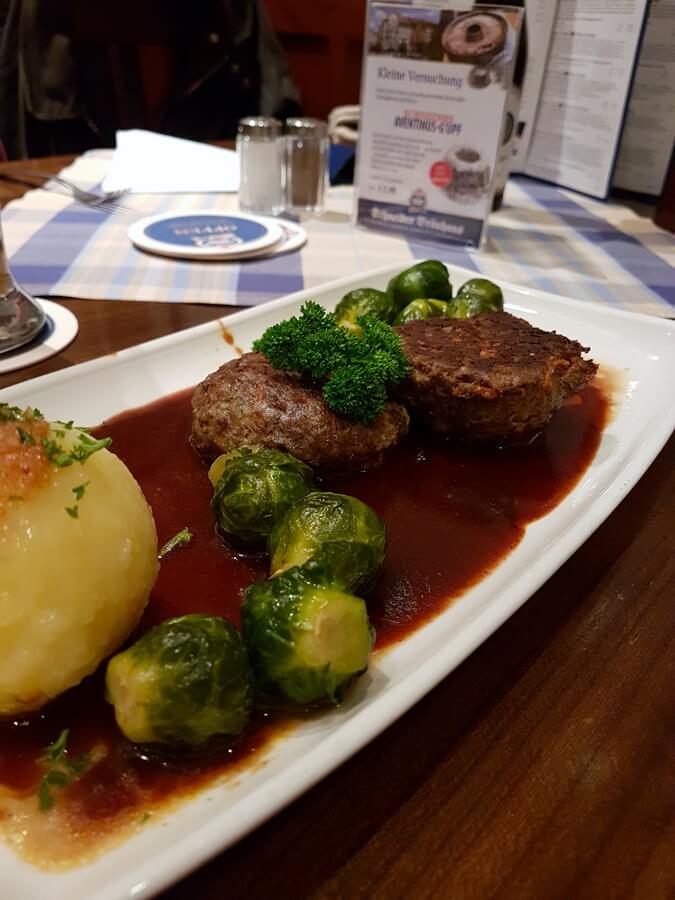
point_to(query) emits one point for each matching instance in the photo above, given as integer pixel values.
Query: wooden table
(543, 767)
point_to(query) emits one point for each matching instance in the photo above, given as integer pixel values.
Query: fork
(107, 200)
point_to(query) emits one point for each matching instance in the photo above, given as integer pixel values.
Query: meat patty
(492, 377)
(248, 403)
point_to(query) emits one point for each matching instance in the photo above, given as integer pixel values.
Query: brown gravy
(452, 513)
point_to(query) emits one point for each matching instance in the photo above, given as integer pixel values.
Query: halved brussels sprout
(186, 680)
(364, 302)
(423, 309)
(340, 531)
(478, 295)
(253, 489)
(306, 635)
(425, 279)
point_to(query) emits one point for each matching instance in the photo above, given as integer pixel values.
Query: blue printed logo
(205, 231)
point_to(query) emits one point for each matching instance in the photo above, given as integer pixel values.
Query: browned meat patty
(492, 377)
(248, 403)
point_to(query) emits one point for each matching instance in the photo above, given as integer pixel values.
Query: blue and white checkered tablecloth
(543, 237)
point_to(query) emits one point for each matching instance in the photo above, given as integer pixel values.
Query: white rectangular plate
(644, 415)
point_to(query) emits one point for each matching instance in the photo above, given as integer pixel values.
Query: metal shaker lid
(306, 127)
(259, 127)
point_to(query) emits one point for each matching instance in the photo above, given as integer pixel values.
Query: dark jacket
(226, 63)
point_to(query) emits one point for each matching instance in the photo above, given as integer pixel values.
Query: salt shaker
(306, 165)
(261, 165)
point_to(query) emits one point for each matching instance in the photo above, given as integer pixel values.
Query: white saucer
(204, 235)
(58, 331)
(293, 236)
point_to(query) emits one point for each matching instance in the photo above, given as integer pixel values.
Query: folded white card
(148, 163)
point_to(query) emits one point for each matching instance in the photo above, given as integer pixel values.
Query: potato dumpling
(78, 557)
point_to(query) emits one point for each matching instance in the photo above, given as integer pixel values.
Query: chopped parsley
(25, 437)
(74, 511)
(10, 413)
(184, 536)
(16, 414)
(51, 779)
(60, 770)
(80, 489)
(78, 448)
(56, 750)
(85, 446)
(56, 454)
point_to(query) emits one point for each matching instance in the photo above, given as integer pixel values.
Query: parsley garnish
(61, 770)
(16, 414)
(89, 445)
(53, 778)
(84, 447)
(56, 750)
(80, 489)
(10, 413)
(184, 536)
(25, 437)
(73, 511)
(56, 454)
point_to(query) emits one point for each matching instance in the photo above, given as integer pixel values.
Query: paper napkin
(145, 162)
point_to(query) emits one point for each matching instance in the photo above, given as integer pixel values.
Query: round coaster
(204, 235)
(59, 330)
(293, 237)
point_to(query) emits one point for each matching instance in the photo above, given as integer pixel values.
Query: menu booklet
(648, 135)
(433, 96)
(583, 98)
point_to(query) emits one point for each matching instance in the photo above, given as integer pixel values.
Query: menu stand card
(433, 95)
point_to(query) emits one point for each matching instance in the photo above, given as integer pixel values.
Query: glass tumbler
(306, 165)
(21, 318)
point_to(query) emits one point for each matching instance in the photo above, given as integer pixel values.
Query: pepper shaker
(261, 165)
(306, 164)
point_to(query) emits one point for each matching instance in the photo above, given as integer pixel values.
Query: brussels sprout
(478, 295)
(185, 681)
(425, 279)
(253, 489)
(340, 531)
(423, 309)
(364, 302)
(306, 635)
